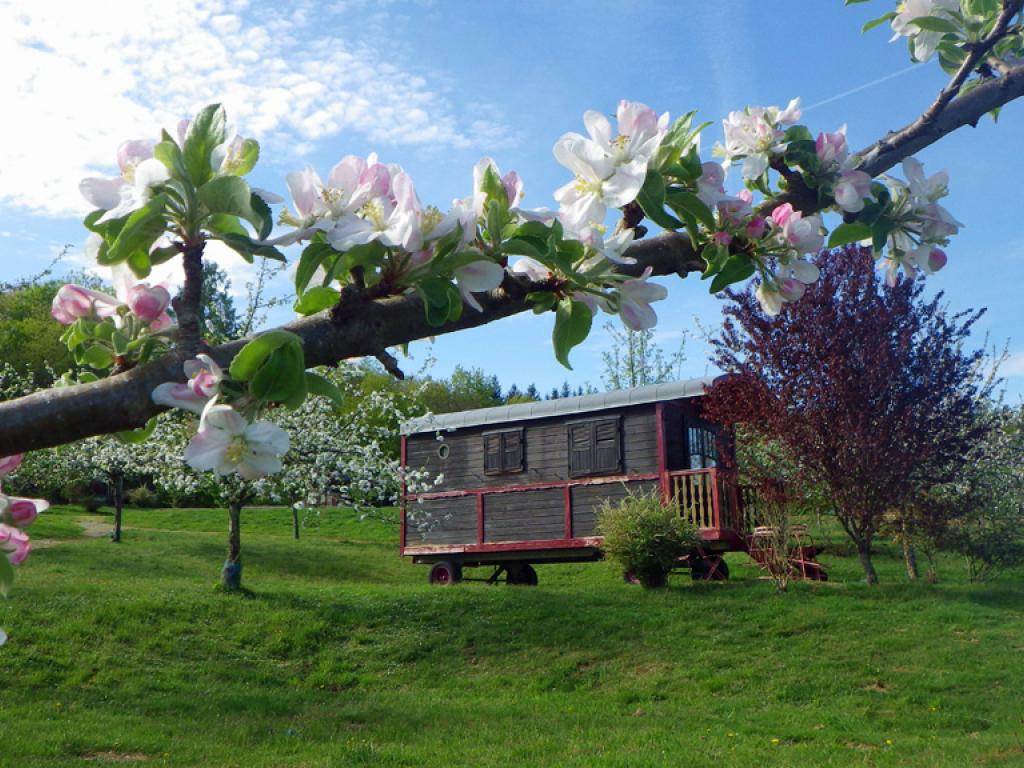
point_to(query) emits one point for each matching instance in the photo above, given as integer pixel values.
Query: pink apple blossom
(635, 297)
(831, 147)
(204, 377)
(10, 463)
(801, 233)
(149, 304)
(851, 190)
(15, 543)
(20, 513)
(73, 302)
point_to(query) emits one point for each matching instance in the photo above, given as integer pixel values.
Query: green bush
(645, 537)
(143, 497)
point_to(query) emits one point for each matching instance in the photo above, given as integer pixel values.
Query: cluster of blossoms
(147, 304)
(225, 442)
(366, 202)
(920, 225)
(16, 514)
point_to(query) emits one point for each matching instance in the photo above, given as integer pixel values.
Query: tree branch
(57, 416)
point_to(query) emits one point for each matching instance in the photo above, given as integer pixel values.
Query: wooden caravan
(521, 484)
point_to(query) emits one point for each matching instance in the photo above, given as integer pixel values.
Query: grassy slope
(343, 655)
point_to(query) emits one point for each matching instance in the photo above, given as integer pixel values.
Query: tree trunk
(295, 522)
(231, 577)
(864, 551)
(118, 493)
(910, 558)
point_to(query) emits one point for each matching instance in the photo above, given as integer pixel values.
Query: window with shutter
(595, 447)
(503, 452)
(580, 452)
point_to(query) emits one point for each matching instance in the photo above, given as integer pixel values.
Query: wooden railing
(710, 498)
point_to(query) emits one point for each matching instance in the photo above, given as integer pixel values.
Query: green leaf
(263, 217)
(849, 232)
(226, 224)
(525, 247)
(139, 232)
(119, 342)
(367, 255)
(135, 436)
(681, 200)
(253, 354)
(205, 132)
(542, 301)
(317, 299)
(97, 357)
(935, 24)
(879, 21)
(442, 300)
(160, 255)
(169, 153)
(247, 248)
(652, 200)
(493, 188)
(282, 375)
(572, 325)
(737, 267)
(227, 194)
(318, 385)
(312, 257)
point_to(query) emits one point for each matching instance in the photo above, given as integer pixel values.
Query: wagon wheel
(521, 574)
(445, 573)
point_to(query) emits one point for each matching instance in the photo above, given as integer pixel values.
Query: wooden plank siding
(524, 515)
(445, 521)
(587, 499)
(529, 514)
(546, 451)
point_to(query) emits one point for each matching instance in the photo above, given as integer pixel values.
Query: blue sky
(436, 84)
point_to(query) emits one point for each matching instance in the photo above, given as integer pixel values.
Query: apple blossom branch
(367, 325)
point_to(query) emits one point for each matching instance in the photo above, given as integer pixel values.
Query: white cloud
(78, 80)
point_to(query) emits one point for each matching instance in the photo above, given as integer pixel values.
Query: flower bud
(147, 303)
(20, 513)
(936, 259)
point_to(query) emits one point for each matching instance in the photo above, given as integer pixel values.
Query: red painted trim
(533, 486)
(716, 507)
(402, 488)
(505, 546)
(480, 518)
(663, 481)
(567, 500)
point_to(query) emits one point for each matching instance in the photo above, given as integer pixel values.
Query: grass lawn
(342, 655)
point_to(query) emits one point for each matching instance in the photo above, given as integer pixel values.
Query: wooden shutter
(580, 449)
(607, 453)
(492, 453)
(512, 451)
(503, 452)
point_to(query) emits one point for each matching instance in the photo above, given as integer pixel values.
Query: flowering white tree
(379, 268)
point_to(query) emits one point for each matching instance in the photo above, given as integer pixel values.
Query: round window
(443, 451)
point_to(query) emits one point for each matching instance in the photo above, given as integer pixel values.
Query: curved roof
(542, 409)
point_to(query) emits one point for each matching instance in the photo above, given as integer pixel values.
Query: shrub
(143, 497)
(645, 537)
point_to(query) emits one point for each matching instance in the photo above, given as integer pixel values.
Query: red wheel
(444, 574)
